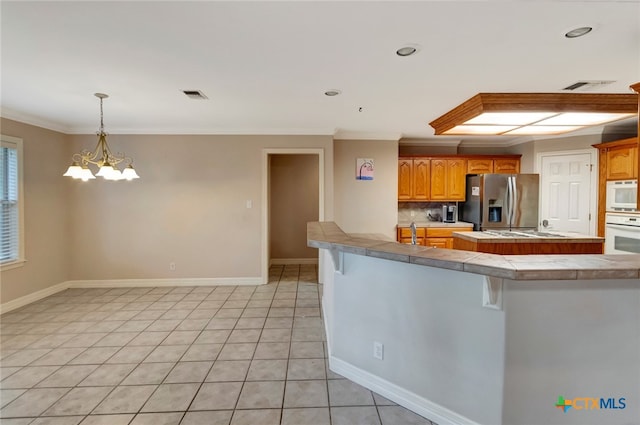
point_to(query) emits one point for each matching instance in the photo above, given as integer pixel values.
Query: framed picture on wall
(364, 169)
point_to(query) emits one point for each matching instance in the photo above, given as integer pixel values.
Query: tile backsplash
(420, 211)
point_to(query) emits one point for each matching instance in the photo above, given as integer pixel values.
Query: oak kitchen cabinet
(622, 163)
(404, 235)
(437, 237)
(413, 179)
(442, 178)
(442, 237)
(617, 160)
(486, 165)
(448, 179)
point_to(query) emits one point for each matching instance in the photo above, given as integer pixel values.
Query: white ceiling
(266, 65)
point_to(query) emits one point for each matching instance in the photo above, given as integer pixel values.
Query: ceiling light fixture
(578, 32)
(102, 157)
(534, 113)
(332, 93)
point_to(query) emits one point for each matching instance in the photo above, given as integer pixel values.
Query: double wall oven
(622, 220)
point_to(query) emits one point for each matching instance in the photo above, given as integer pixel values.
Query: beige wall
(293, 202)
(46, 212)
(364, 206)
(188, 207)
(527, 159)
(530, 150)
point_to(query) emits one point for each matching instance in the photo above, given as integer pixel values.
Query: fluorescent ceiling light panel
(543, 129)
(583, 118)
(509, 118)
(502, 113)
(481, 129)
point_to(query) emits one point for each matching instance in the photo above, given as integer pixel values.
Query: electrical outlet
(378, 350)
(172, 266)
(413, 213)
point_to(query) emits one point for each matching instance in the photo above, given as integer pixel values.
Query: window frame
(16, 143)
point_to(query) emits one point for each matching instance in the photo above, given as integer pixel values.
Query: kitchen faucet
(414, 239)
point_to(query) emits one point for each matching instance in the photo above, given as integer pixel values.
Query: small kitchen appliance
(449, 213)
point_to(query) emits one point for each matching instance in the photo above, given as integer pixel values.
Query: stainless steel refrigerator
(501, 201)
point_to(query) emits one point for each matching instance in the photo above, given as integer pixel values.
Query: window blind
(9, 213)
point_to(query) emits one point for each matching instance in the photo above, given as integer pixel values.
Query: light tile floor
(226, 355)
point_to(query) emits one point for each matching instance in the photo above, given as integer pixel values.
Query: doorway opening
(293, 194)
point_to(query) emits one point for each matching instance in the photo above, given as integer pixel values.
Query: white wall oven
(622, 195)
(622, 233)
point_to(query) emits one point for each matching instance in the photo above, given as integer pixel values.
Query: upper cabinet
(405, 179)
(622, 163)
(448, 179)
(413, 179)
(489, 165)
(480, 166)
(506, 165)
(442, 178)
(616, 161)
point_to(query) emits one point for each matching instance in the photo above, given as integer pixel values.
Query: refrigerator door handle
(508, 201)
(514, 199)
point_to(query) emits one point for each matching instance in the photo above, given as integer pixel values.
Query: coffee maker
(449, 213)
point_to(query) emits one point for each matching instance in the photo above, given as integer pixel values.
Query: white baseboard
(403, 397)
(126, 283)
(32, 297)
(145, 283)
(287, 261)
(327, 334)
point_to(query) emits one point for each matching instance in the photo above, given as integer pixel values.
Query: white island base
(454, 360)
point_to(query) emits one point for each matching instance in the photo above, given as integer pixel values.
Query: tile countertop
(561, 237)
(436, 224)
(328, 235)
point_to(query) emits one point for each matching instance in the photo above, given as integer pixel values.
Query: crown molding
(431, 142)
(34, 120)
(365, 135)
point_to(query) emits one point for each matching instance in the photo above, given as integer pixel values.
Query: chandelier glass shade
(107, 162)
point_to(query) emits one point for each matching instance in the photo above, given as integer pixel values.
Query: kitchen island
(475, 338)
(523, 243)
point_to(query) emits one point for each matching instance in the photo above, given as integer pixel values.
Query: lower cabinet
(404, 235)
(442, 237)
(437, 237)
(439, 242)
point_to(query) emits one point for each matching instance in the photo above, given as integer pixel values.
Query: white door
(566, 192)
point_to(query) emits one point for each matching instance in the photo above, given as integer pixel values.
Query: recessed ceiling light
(578, 32)
(331, 93)
(407, 50)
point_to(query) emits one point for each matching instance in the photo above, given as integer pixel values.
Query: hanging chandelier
(102, 157)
